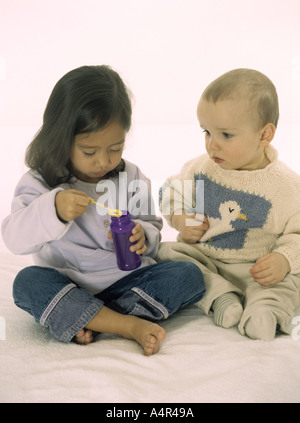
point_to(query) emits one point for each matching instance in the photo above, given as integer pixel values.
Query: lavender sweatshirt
(80, 248)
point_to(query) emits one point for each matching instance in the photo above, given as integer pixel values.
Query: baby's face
(232, 139)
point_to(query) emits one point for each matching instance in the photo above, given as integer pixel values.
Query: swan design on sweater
(231, 213)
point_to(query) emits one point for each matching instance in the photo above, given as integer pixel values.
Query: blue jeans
(153, 293)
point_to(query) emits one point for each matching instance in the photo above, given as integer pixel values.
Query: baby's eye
(206, 132)
(226, 135)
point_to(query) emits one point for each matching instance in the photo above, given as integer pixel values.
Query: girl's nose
(102, 159)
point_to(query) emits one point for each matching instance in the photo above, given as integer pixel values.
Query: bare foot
(147, 334)
(83, 337)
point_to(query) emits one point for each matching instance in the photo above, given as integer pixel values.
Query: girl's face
(95, 154)
(232, 139)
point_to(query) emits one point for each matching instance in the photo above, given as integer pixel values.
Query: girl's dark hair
(84, 100)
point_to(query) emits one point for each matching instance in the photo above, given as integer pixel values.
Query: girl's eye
(88, 154)
(117, 148)
(206, 132)
(226, 135)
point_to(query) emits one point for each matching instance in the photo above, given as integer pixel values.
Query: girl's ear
(267, 134)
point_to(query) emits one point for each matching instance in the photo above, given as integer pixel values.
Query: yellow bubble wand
(111, 212)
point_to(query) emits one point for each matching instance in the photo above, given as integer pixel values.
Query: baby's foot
(228, 310)
(83, 337)
(147, 334)
(262, 324)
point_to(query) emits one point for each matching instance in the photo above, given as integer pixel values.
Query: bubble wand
(111, 212)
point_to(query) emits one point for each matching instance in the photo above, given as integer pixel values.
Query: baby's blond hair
(251, 84)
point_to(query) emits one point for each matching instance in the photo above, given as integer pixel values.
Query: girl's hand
(190, 229)
(71, 203)
(270, 269)
(138, 236)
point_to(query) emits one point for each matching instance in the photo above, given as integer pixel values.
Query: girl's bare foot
(146, 333)
(83, 337)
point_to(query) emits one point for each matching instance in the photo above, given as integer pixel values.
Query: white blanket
(198, 361)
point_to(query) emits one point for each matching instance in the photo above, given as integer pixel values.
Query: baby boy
(245, 235)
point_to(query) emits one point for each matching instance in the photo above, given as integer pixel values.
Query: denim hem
(85, 317)
(54, 301)
(151, 300)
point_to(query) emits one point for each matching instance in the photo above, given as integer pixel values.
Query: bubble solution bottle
(121, 229)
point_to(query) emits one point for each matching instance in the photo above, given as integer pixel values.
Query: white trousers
(281, 298)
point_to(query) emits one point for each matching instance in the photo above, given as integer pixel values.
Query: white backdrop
(166, 51)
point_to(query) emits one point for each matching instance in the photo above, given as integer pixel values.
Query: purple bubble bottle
(121, 228)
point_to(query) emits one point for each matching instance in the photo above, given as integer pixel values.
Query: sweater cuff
(292, 254)
(55, 227)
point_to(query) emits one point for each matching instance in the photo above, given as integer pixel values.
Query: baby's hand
(190, 229)
(71, 203)
(270, 269)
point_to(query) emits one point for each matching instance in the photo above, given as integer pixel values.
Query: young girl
(76, 288)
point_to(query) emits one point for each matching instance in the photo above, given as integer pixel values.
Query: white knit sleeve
(178, 192)
(288, 244)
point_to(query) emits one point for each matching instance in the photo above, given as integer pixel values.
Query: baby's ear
(267, 134)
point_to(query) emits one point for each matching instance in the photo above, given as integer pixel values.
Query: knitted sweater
(250, 213)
